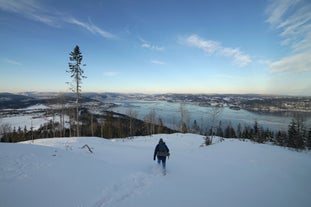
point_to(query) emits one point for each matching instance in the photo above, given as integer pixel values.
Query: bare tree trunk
(150, 122)
(184, 118)
(77, 114)
(53, 123)
(215, 113)
(174, 122)
(92, 122)
(102, 128)
(132, 114)
(201, 125)
(77, 99)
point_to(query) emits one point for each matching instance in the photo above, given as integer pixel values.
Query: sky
(163, 46)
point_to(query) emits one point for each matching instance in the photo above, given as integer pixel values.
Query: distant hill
(23, 100)
(10, 100)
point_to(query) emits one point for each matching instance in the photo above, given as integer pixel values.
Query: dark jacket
(161, 150)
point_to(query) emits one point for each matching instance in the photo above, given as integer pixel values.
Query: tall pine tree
(76, 74)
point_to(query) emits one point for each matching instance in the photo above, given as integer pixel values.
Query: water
(170, 115)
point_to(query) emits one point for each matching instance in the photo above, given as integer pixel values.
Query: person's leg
(164, 165)
(164, 162)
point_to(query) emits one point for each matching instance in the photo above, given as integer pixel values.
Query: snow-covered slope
(122, 173)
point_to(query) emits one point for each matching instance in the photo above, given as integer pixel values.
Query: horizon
(158, 47)
(142, 93)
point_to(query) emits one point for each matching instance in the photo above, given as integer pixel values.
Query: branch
(87, 146)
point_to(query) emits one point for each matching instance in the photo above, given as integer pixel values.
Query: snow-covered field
(122, 173)
(30, 117)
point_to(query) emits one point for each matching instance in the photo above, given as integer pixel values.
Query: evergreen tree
(281, 138)
(256, 128)
(257, 135)
(14, 136)
(308, 141)
(247, 133)
(229, 132)
(195, 128)
(278, 139)
(77, 74)
(300, 140)
(296, 133)
(292, 134)
(262, 136)
(268, 135)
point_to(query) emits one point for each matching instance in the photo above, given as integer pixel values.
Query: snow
(23, 121)
(37, 107)
(30, 117)
(121, 172)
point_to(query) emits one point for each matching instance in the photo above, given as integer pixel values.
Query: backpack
(162, 150)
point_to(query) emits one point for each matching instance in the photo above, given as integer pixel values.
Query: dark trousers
(163, 160)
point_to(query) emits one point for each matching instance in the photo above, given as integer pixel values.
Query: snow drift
(121, 172)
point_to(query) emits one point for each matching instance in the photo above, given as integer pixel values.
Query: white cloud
(278, 8)
(91, 28)
(213, 47)
(12, 62)
(239, 58)
(264, 61)
(292, 19)
(30, 9)
(157, 62)
(148, 45)
(110, 73)
(33, 10)
(208, 46)
(152, 47)
(295, 63)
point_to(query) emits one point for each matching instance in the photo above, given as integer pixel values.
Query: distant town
(250, 102)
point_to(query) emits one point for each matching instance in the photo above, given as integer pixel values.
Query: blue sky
(163, 46)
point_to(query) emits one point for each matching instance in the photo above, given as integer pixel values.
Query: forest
(115, 125)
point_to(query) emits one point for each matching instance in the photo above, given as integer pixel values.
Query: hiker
(161, 151)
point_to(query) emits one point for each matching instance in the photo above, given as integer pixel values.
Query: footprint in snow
(132, 185)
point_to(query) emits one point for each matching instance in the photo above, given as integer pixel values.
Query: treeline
(297, 136)
(108, 125)
(114, 125)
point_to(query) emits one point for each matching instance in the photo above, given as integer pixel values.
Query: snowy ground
(122, 173)
(30, 117)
